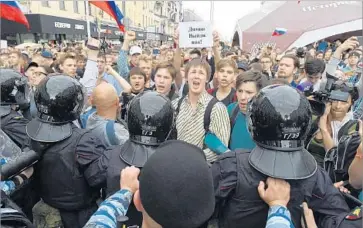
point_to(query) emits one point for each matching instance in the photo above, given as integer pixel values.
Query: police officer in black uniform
(13, 100)
(72, 169)
(279, 118)
(13, 88)
(150, 119)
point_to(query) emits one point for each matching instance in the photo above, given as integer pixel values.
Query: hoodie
(98, 124)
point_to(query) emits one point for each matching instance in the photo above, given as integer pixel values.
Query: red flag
(10, 10)
(111, 9)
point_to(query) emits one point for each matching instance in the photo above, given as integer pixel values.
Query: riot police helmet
(150, 118)
(14, 90)
(59, 100)
(279, 118)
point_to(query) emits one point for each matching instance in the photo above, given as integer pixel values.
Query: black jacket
(70, 175)
(14, 124)
(238, 202)
(120, 157)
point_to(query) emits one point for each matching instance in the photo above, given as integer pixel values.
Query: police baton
(353, 199)
(18, 165)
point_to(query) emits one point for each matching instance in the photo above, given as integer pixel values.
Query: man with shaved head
(103, 121)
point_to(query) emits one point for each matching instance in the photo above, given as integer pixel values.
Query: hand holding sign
(93, 44)
(216, 39)
(196, 34)
(176, 37)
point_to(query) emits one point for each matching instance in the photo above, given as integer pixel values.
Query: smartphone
(360, 40)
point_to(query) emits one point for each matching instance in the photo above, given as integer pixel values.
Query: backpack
(232, 96)
(109, 127)
(84, 117)
(339, 158)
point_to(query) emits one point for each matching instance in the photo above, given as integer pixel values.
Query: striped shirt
(113, 207)
(190, 123)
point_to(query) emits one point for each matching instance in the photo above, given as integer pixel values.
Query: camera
(329, 93)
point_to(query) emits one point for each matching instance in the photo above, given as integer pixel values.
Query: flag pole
(87, 19)
(211, 11)
(269, 40)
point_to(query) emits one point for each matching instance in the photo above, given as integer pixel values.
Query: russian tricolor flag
(111, 9)
(10, 10)
(279, 32)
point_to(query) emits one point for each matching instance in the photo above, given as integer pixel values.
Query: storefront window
(27, 38)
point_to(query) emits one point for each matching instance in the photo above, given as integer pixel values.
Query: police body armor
(70, 190)
(60, 100)
(247, 208)
(150, 120)
(118, 160)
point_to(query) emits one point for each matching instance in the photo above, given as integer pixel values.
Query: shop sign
(61, 25)
(79, 27)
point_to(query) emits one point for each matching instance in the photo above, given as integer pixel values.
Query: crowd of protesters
(216, 172)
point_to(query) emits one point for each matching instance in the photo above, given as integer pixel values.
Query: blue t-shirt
(110, 79)
(240, 137)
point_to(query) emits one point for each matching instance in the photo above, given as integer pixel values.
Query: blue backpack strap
(110, 132)
(84, 117)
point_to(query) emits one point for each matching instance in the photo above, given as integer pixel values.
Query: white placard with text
(3, 44)
(196, 34)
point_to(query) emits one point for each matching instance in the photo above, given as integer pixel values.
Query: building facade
(190, 15)
(66, 20)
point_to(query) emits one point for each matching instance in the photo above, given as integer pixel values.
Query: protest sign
(196, 34)
(3, 44)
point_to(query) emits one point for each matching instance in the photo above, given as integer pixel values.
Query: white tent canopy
(315, 35)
